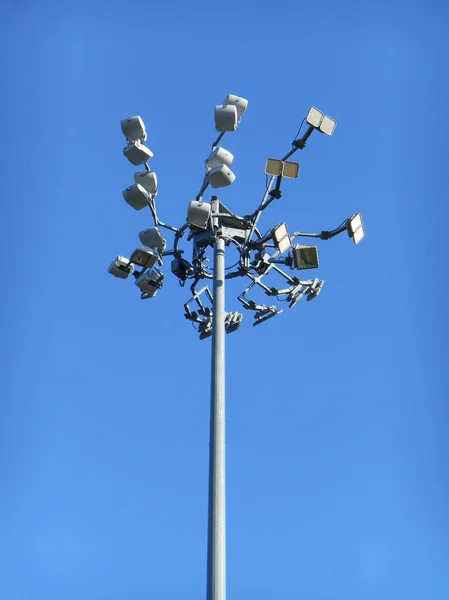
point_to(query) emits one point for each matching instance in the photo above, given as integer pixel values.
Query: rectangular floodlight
(144, 257)
(355, 228)
(314, 117)
(276, 167)
(328, 126)
(281, 238)
(305, 257)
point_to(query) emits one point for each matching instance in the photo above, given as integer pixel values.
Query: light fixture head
(134, 129)
(232, 321)
(280, 237)
(315, 289)
(305, 257)
(121, 267)
(241, 104)
(276, 167)
(144, 257)
(149, 282)
(137, 153)
(136, 196)
(225, 117)
(147, 180)
(328, 125)
(220, 176)
(314, 117)
(198, 214)
(219, 157)
(153, 238)
(355, 228)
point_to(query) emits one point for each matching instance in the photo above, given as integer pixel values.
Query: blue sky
(337, 418)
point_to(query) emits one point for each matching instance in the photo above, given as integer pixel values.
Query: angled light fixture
(280, 237)
(276, 167)
(304, 256)
(144, 257)
(121, 267)
(220, 176)
(136, 196)
(198, 214)
(137, 153)
(355, 228)
(225, 117)
(241, 104)
(133, 129)
(147, 180)
(319, 121)
(149, 282)
(219, 157)
(153, 238)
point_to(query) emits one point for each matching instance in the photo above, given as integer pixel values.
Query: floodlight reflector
(219, 157)
(225, 117)
(147, 180)
(273, 166)
(281, 238)
(241, 104)
(305, 257)
(314, 117)
(221, 176)
(355, 228)
(328, 125)
(136, 196)
(152, 238)
(137, 153)
(134, 129)
(144, 257)
(291, 170)
(198, 214)
(121, 267)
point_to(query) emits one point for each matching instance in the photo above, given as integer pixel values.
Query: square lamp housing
(305, 257)
(314, 117)
(328, 125)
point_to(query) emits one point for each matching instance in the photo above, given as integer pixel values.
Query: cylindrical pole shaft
(216, 547)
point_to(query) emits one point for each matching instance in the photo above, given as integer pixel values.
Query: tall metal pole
(216, 547)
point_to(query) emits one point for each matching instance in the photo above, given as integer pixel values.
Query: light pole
(213, 225)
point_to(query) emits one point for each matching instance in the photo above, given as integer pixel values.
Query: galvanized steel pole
(216, 547)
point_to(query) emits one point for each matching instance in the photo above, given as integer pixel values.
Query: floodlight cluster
(259, 254)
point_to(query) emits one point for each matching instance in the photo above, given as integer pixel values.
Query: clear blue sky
(337, 415)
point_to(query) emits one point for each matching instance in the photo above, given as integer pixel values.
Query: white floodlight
(328, 125)
(144, 257)
(241, 104)
(134, 129)
(198, 214)
(281, 238)
(121, 267)
(232, 321)
(314, 117)
(273, 166)
(305, 257)
(355, 228)
(276, 167)
(136, 196)
(152, 238)
(219, 157)
(225, 117)
(149, 282)
(315, 289)
(147, 180)
(137, 153)
(220, 177)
